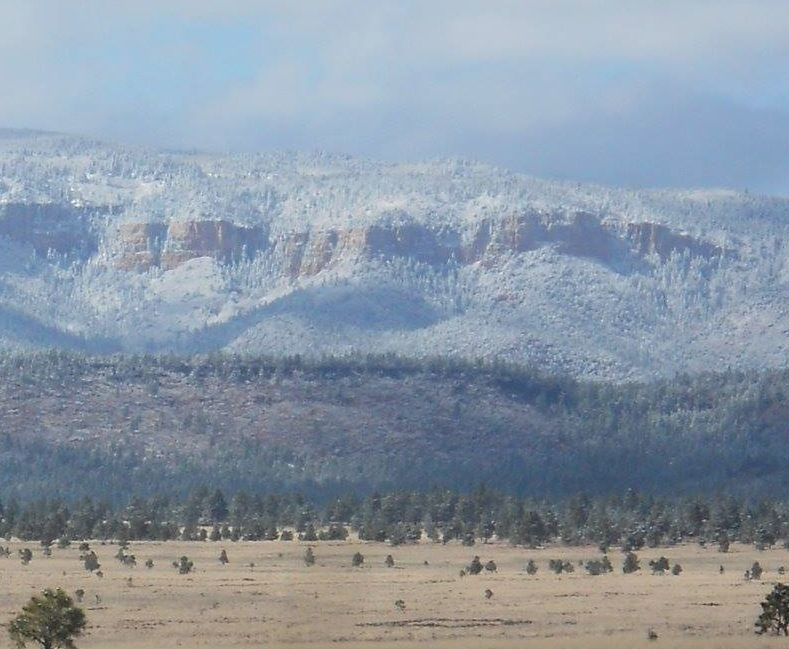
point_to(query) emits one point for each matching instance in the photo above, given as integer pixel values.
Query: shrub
(475, 567)
(183, 565)
(91, 561)
(631, 563)
(659, 566)
(558, 566)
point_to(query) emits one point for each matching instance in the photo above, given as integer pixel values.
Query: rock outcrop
(49, 227)
(303, 254)
(167, 245)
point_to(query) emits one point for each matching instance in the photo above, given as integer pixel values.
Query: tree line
(630, 520)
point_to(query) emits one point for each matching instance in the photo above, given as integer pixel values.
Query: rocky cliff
(141, 246)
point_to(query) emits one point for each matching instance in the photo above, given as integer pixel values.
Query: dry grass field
(281, 602)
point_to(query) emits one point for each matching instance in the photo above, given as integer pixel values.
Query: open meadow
(280, 601)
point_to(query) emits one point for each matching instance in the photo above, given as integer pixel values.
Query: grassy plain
(280, 602)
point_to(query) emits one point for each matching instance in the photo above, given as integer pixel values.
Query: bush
(676, 570)
(309, 557)
(183, 565)
(531, 567)
(357, 560)
(490, 566)
(558, 566)
(91, 561)
(596, 567)
(659, 566)
(475, 567)
(756, 570)
(631, 563)
(389, 562)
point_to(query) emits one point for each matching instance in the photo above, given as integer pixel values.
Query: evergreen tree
(51, 620)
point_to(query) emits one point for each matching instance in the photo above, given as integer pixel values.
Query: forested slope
(121, 426)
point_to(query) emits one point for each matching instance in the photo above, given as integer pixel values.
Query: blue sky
(624, 92)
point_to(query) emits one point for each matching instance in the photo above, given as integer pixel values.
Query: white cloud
(399, 77)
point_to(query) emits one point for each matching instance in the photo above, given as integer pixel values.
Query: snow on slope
(601, 295)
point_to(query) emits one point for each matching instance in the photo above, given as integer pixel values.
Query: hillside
(116, 427)
(105, 248)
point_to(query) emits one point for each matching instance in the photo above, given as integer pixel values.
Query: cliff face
(168, 245)
(49, 227)
(304, 254)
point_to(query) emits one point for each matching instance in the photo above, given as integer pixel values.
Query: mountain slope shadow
(360, 307)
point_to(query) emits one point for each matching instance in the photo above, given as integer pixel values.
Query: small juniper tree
(676, 570)
(223, 557)
(756, 570)
(595, 567)
(51, 620)
(26, 556)
(475, 567)
(531, 567)
(774, 617)
(490, 566)
(357, 560)
(389, 561)
(659, 566)
(309, 557)
(183, 565)
(91, 561)
(149, 563)
(558, 566)
(79, 594)
(631, 563)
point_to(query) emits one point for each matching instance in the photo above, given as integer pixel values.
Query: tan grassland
(280, 602)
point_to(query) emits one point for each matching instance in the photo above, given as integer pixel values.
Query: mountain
(72, 425)
(106, 248)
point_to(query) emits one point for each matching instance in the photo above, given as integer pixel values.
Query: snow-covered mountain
(111, 248)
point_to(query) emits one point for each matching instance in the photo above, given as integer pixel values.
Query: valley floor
(280, 602)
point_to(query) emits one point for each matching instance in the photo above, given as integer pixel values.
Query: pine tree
(774, 617)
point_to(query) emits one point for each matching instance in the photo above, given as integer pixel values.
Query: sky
(636, 93)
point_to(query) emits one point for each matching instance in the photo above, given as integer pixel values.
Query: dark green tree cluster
(632, 521)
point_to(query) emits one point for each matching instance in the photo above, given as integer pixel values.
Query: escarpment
(304, 254)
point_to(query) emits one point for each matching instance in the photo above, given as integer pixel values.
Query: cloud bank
(641, 93)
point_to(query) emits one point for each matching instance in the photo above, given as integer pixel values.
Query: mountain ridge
(117, 248)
